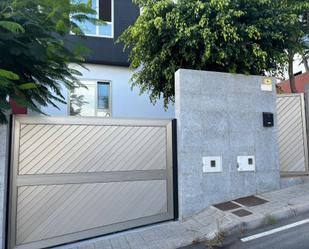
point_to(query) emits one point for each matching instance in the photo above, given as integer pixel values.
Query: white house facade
(107, 77)
(108, 94)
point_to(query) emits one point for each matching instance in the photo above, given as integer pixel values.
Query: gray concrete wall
(220, 114)
(3, 176)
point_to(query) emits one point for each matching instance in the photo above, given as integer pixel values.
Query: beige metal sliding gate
(292, 134)
(75, 178)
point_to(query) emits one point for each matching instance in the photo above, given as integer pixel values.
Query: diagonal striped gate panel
(75, 178)
(292, 134)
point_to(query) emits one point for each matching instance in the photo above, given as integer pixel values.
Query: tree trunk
(291, 73)
(308, 21)
(305, 62)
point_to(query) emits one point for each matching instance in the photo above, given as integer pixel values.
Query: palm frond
(12, 27)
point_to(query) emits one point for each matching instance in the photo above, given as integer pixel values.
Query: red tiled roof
(301, 81)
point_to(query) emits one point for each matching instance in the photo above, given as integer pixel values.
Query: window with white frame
(103, 95)
(104, 9)
(95, 100)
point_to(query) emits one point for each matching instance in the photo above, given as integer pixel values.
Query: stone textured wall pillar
(220, 114)
(306, 96)
(3, 178)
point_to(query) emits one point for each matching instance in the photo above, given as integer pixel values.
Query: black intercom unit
(268, 119)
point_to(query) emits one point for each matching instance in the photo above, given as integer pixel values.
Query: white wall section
(126, 102)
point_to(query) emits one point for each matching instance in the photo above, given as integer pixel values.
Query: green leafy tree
(297, 41)
(34, 51)
(237, 36)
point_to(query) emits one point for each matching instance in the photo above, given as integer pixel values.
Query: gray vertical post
(306, 97)
(4, 154)
(306, 93)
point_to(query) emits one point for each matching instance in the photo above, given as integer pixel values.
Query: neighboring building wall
(298, 65)
(16, 109)
(125, 102)
(220, 114)
(3, 179)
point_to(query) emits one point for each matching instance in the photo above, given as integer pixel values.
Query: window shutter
(105, 10)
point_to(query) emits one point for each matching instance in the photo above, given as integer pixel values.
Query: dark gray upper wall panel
(105, 13)
(104, 50)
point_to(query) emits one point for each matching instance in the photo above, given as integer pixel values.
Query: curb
(283, 214)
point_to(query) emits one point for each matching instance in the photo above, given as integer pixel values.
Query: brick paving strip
(205, 225)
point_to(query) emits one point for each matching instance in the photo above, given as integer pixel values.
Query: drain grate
(226, 206)
(242, 213)
(251, 201)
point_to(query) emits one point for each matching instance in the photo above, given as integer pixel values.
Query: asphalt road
(293, 238)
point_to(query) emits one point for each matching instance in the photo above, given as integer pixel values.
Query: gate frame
(305, 134)
(171, 179)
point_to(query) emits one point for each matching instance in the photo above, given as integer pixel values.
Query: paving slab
(281, 204)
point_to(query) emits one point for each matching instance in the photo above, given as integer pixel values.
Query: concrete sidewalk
(281, 204)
